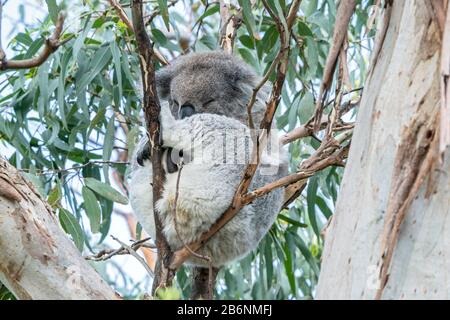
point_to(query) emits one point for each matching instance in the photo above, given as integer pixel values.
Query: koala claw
(143, 154)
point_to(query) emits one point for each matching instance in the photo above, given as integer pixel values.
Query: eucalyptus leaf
(92, 208)
(105, 190)
(71, 226)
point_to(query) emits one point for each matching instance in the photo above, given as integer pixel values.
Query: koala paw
(144, 154)
(171, 165)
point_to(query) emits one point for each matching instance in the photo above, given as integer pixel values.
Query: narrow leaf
(71, 226)
(105, 190)
(92, 208)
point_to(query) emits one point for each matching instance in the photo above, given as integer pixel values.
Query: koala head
(210, 82)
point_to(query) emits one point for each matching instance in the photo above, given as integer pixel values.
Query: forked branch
(51, 45)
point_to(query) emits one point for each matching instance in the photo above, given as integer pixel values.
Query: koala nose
(186, 110)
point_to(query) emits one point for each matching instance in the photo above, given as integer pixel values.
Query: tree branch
(107, 254)
(229, 23)
(51, 45)
(37, 260)
(133, 252)
(163, 276)
(343, 15)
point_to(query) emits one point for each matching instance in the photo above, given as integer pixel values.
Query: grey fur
(207, 187)
(201, 77)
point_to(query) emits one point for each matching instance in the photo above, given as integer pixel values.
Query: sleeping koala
(219, 149)
(204, 116)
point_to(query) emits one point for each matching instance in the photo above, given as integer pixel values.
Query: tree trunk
(37, 260)
(392, 147)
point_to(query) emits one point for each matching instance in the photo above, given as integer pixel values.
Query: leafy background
(70, 124)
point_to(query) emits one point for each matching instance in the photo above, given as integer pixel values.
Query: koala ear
(163, 78)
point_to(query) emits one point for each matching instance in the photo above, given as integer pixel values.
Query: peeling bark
(390, 236)
(37, 260)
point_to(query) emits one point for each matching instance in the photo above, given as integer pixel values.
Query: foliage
(69, 123)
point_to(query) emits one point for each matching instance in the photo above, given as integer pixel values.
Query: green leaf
(159, 36)
(301, 245)
(309, 7)
(92, 208)
(79, 42)
(247, 41)
(61, 88)
(24, 39)
(292, 221)
(105, 190)
(212, 9)
(53, 10)
(54, 196)
(71, 226)
(312, 53)
(138, 231)
(249, 20)
(248, 57)
(324, 207)
(117, 66)
(99, 61)
(107, 207)
(162, 5)
(108, 143)
(132, 138)
(306, 107)
(304, 30)
(311, 193)
(42, 78)
(288, 263)
(268, 257)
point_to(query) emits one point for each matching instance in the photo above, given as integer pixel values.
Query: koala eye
(208, 102)
(175, 102)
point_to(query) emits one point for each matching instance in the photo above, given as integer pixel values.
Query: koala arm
(140, 190)
(176, 134)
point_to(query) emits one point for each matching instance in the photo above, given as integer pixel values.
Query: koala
(204, 124)
(219, 149)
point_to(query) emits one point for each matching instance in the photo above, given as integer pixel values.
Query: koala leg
(168, 127)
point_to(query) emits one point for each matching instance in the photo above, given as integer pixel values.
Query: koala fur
(211, 82)
(216, 142)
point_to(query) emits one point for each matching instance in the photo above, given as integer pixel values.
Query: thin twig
(343, 15)
(136, 255)
(107, 254)
(157, 12)
(90, 163)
